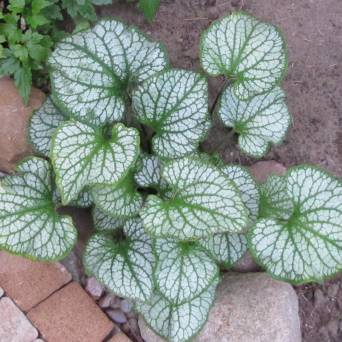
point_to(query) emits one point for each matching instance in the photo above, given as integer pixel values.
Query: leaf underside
(260, 121)
(93, 68)
(203, 201)
(251, 52)
(29, 224)
(306, 246)
(124, 267)
(175, 104)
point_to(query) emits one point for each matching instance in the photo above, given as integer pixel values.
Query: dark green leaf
(23, 81)
(149, 8)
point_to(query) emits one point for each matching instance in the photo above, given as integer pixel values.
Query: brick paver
(70, 315)
(14, 326)
(28, 282)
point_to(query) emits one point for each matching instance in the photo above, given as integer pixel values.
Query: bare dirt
(313, 29)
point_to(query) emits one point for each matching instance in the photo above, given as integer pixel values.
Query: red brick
(70, 315)
(28, 282)
(14, 326)
(14, 118)
(263, 169)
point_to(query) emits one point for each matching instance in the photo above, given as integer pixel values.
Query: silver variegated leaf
(251, 52)
(92, 69)
(121, 200)
(175, 104)
(181, 321)
(82, 156)
(308, 245)
(184, 269)
(148, 172)
(226, 248)
(43, 124)
(260, 121)
(123, 266)
(29, 223)
(103, 221)
(204, 202)
(247, 186)
(274, 199)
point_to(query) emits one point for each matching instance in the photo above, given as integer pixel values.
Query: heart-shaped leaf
(178, 322)
(83, 155)
(308, 245)
(203, 202)
(29, 223)
(120, 200)
(43, 124)
(93, 69)
(123, 265)
(183, 269)
(228, 248)
(251, 52)
(260, 121)
(103, 221)
(175, 104)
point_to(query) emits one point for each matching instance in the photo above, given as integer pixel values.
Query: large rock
(14, 117)
(249, 307)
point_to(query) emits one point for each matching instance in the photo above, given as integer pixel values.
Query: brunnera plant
(120, 133)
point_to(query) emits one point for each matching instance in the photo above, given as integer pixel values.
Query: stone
(263, 169)
(30, 282)
(14, 117)
(94, 288)
(126, 306)
(246, 264)
(120, 337)
(248, 307)
(73, 264)
(332, 290)
(106, 301)
(14, 326)
(117, 316)
(319, 298)
(1, 292)
(70, 314)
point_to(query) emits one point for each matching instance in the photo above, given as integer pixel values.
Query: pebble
(117, 316)
(126, 306)
(332, 290)
(106, 301)
(333, 327)
(320, 299)
(94, 288)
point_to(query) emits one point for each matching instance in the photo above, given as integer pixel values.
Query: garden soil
(313, 30)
